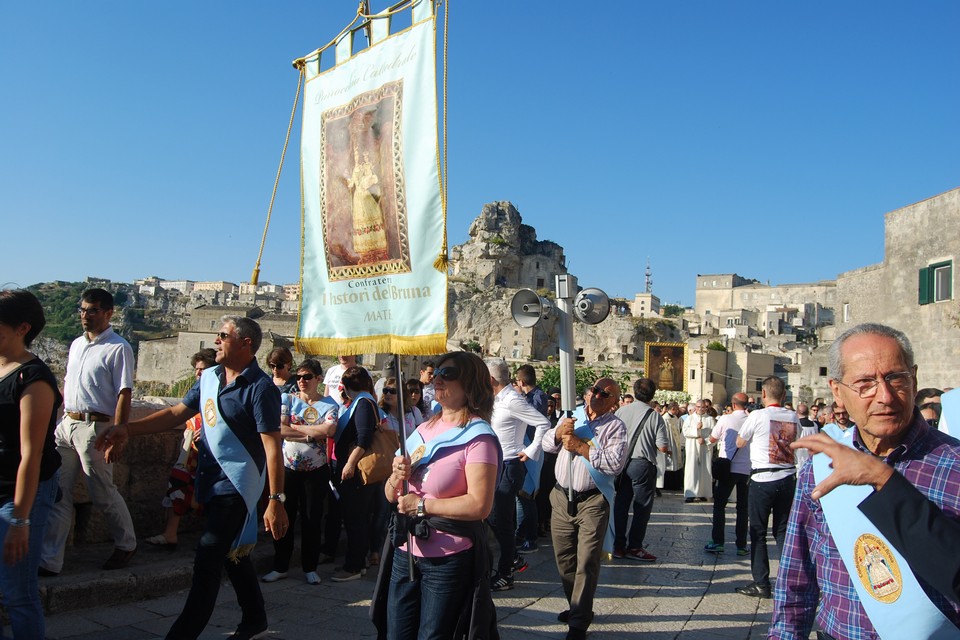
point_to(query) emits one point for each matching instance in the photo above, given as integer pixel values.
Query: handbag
(721, 467)
(376, 465)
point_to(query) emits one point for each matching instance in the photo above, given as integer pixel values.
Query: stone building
(913, 288)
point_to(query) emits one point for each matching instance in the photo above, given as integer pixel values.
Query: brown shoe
(119, 559)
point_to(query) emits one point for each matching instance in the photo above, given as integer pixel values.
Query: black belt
(792, 470)
(578, 496)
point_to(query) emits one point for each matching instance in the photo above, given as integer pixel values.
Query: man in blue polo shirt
(239, 444)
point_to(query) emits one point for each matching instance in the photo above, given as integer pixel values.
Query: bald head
(739, 400)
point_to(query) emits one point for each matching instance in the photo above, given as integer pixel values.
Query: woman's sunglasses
(306, 377)
(390, 391)
(447, 373)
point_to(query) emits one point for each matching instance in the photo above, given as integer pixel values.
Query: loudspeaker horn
(527, 308)
(591, 306)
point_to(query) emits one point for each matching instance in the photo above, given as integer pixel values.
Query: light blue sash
(604, 482)
(890, 594)
(236, 462)
(531, 484)
(950, 412)
(421, 452)
(344, 419)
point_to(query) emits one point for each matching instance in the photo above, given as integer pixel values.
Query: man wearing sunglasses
(595, 451)
(828, 569)
(96, 394)
(239, 450)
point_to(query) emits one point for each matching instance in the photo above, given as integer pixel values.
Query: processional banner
(373, 219)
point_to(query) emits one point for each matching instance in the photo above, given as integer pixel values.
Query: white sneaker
(273, 576)
(312, 577)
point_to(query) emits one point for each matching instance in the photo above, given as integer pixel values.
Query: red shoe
(619, 553)
(640, 555)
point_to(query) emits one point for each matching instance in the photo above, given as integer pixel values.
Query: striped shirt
(607, 453)
(811, 568)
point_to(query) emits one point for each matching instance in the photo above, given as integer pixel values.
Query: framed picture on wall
(666, 364)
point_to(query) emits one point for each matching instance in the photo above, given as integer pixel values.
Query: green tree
(716, 345)
(672, 310)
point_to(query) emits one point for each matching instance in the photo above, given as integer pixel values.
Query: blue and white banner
(373, 220)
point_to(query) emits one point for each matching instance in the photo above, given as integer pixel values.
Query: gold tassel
(440, 264)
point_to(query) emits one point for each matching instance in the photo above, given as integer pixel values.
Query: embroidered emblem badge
(210, 413)
(417, 454)
(311, 415)
(877, 568)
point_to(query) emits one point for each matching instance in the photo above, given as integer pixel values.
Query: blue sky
(762, 138)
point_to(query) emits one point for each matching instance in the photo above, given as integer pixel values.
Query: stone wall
(916, 236)
(141, 477)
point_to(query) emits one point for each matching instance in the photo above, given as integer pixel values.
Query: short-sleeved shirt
(653, 434)
(97, 371)
(11, 390)
(306, 456)
(446, 477)
(725, 433)
(770, 432)
(251, 406)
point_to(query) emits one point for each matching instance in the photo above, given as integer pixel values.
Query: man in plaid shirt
(873, 376)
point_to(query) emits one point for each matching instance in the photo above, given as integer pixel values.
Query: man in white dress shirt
(511, 415)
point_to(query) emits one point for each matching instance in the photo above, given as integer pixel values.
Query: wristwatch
(422, 508)
(279, 497)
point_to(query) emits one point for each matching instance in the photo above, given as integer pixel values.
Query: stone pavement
(686, 594)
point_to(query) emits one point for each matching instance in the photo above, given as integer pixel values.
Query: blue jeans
(638, 486)
(18, 583)
(764, 498)
(224, 516)
(503, 518)
(428, 607)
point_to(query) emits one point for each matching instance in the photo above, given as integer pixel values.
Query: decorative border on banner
(667, 349)
(402, 345)
(401, 264)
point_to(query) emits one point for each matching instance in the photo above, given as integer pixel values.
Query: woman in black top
(29, 461)
(359, 419)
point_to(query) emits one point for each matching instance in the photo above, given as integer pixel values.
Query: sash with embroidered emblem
(421, 452)
(585, 432)
(233, 458)
(888, 591)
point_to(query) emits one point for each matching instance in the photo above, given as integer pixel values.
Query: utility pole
(702, 351)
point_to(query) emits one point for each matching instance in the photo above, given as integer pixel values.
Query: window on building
(203, 344)
(710, 377)
(540, 283)
(823, 372)
(693, 374)
(936, 282)
(759, 386)
(846, 312)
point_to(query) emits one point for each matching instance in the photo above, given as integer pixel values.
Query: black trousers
(223, 519)
(721, 495)
(765, 498)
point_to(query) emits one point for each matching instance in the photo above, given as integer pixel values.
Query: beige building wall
(916, 236)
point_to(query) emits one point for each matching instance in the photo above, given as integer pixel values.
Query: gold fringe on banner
(416, 345)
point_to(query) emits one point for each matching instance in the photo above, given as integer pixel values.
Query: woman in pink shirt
(451, 470)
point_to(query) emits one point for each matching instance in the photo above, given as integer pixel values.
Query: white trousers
(75, 441)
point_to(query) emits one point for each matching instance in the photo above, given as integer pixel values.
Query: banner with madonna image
(373, 217)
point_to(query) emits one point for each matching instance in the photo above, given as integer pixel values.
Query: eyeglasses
(867, 387)
(223, 335)
(278, 365)
(597, 391)
(448, 373)
(88, 311)
(306, 377)
(390, 391)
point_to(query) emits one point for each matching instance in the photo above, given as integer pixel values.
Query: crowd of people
(484, 447)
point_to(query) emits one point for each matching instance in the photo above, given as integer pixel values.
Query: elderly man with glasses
(591, 452)
(837, 568)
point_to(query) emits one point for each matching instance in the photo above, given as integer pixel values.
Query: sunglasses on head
(390, 391)
(447, 373)
(306, 377)
(597, 391)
